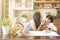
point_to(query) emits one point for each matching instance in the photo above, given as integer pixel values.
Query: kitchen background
(0, 15)
(24, 9)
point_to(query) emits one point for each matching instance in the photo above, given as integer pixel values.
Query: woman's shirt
(28, 25)
(52, 27)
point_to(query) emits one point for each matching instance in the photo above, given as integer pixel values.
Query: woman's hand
(42, 25)
(43, 22)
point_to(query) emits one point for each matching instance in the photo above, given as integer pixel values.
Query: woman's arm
(40, 27)
(20, 24)
(33, 26)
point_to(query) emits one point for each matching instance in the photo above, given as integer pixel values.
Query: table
(34, 34)
(40, 33)
(11, 37)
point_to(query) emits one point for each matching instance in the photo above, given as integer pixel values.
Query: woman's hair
(37, 17)
(50, 17)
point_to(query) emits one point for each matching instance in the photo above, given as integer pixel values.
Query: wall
(11, 11)
(44, 11)
(19, 13)
(0, 14)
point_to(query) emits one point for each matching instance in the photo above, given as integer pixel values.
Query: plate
(47, 31)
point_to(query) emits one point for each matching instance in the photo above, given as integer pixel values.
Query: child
(50, 25)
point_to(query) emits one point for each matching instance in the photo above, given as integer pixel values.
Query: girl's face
(48, 20)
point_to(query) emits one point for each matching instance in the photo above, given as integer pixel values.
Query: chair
(57, 24)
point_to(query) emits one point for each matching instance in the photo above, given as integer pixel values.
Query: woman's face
(48, 20)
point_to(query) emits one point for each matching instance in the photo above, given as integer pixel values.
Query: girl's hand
(24, 31)
(43, 22)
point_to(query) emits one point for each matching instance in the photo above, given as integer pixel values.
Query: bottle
(14, 26)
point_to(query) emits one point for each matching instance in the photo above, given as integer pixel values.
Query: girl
(49, 22)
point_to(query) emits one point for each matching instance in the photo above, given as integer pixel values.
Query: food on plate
(22, 31)
(12, 30)
(46, 30)
(19, 31)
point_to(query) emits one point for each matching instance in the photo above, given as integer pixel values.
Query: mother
(35, 24)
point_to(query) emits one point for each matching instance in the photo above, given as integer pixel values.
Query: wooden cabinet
(46, 4)
(42, 1)
(37, 6)
(38, 1)
(46, 1)
(58, 13)
(56, 0)
(57, 24)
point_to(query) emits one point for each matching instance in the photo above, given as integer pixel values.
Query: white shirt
(31, 21)
(51, 26)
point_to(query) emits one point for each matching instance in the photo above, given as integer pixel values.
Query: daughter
(50, 25)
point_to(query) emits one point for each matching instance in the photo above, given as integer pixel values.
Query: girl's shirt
(52, 27)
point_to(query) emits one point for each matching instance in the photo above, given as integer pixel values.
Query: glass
(12, 30)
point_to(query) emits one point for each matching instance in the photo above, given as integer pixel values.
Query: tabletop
(11, 37)
(33, 35)
(40, 33)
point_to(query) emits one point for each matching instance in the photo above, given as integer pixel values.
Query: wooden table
(33, 35)
(12, 37)
(40, 33)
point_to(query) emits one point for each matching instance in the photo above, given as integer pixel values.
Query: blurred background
(23, 10)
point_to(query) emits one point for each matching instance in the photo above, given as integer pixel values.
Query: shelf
(56, 5)
(56, 0)
(41, 5)
(43, 1)
(38, 5)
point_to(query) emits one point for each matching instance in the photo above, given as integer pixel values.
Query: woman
(35, 24)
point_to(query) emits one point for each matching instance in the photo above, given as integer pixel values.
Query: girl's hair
(50, 17)
(37, 17)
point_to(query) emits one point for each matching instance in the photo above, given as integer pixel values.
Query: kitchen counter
(34, 36)
(40, 33)
(31, 36)
(13, 37)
